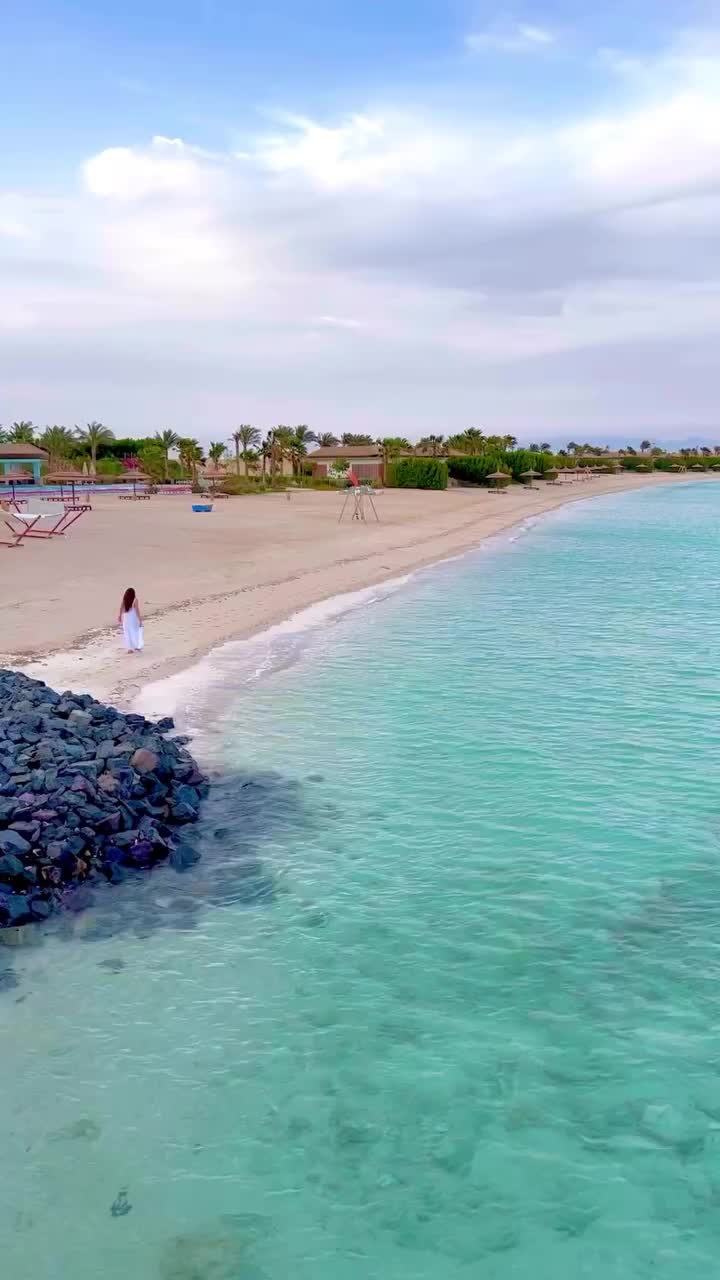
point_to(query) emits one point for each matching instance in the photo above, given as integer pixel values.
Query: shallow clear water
(442, 999)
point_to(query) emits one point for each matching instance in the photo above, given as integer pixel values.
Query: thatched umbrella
(15, 476)
(698, 467)
(213, 474)
(70, 475)
(530, 475)
(498, 477)
(135, 476)
(642, 467)
(715, 466)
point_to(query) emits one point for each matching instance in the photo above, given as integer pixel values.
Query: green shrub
(235, 485)
(418, 473)
(475, 468)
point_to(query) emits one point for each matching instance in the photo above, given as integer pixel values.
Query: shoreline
(183, 634)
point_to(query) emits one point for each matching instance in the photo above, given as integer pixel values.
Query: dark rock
(79, 898)
(183, 856)
(11, 842)
(11, 867)
(40, 908)
(86, 792)
(80, 721)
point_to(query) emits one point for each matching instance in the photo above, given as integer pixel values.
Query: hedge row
(475, 469)
(418, 473)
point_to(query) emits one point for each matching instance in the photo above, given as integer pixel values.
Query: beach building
(22, 458)
(365, 460)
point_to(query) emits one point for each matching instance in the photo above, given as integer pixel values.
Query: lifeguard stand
(360, 497)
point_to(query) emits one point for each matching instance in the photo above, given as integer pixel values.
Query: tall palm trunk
(237, 459)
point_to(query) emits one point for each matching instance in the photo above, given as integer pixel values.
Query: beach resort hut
(364, 460)
(530, 476)
(21, 457)
(69, 476)
(499, 480)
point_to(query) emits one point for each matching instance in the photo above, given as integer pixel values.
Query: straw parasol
(213, 474)
(135, 477)
(498, 477)
(16, 476)
(698, 467)
(530, 475)
(642, 467)
(69, 475)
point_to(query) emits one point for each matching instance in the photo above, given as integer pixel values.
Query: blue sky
(418, 216)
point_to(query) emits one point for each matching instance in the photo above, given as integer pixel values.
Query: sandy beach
(206, 579)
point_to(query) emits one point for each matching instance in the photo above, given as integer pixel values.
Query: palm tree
(645, 445)
(474, 440)
(545, 447)
(432, 445)
(217, 451)
(327, 440)
(509, 442)
(94, 435)
(191, 456)
(302, 437)
(249, 438)
(21, 433)
(351, 437)
(166, 440)
(280, 441)
(58, 444)
(266, 449)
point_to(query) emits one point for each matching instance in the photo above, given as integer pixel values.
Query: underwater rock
(220, 1252)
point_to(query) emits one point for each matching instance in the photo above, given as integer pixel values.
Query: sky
(386, 216)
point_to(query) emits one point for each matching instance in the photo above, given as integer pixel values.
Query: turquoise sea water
(443, 999)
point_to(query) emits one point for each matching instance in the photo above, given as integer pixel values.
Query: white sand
(205, 579)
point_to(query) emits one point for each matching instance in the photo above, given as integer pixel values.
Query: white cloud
(338, 322)
(166, 166)
(364, 150)
(466, 260)
(516, 37)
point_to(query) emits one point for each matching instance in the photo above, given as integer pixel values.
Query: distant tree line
(167, 455)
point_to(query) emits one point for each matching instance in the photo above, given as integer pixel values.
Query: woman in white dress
(130, 619)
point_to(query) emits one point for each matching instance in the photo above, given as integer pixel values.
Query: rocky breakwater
(87, 793)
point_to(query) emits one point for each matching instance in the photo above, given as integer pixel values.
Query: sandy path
(207, 579)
